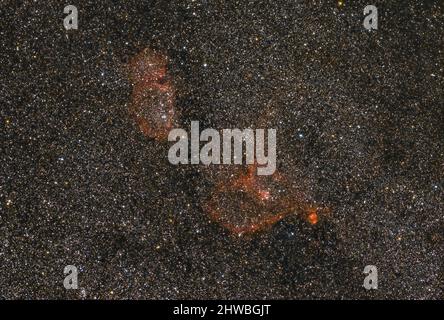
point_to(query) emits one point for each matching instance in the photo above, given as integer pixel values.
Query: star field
(360, 122)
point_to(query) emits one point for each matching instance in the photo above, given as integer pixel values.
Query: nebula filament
(153, 96)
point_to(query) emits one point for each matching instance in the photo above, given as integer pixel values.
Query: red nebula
(312, 216)
(246, 202)
(153, 96)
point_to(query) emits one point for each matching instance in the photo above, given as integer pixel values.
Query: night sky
(360, 123)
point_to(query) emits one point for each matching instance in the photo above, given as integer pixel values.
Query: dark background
(362, 112)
